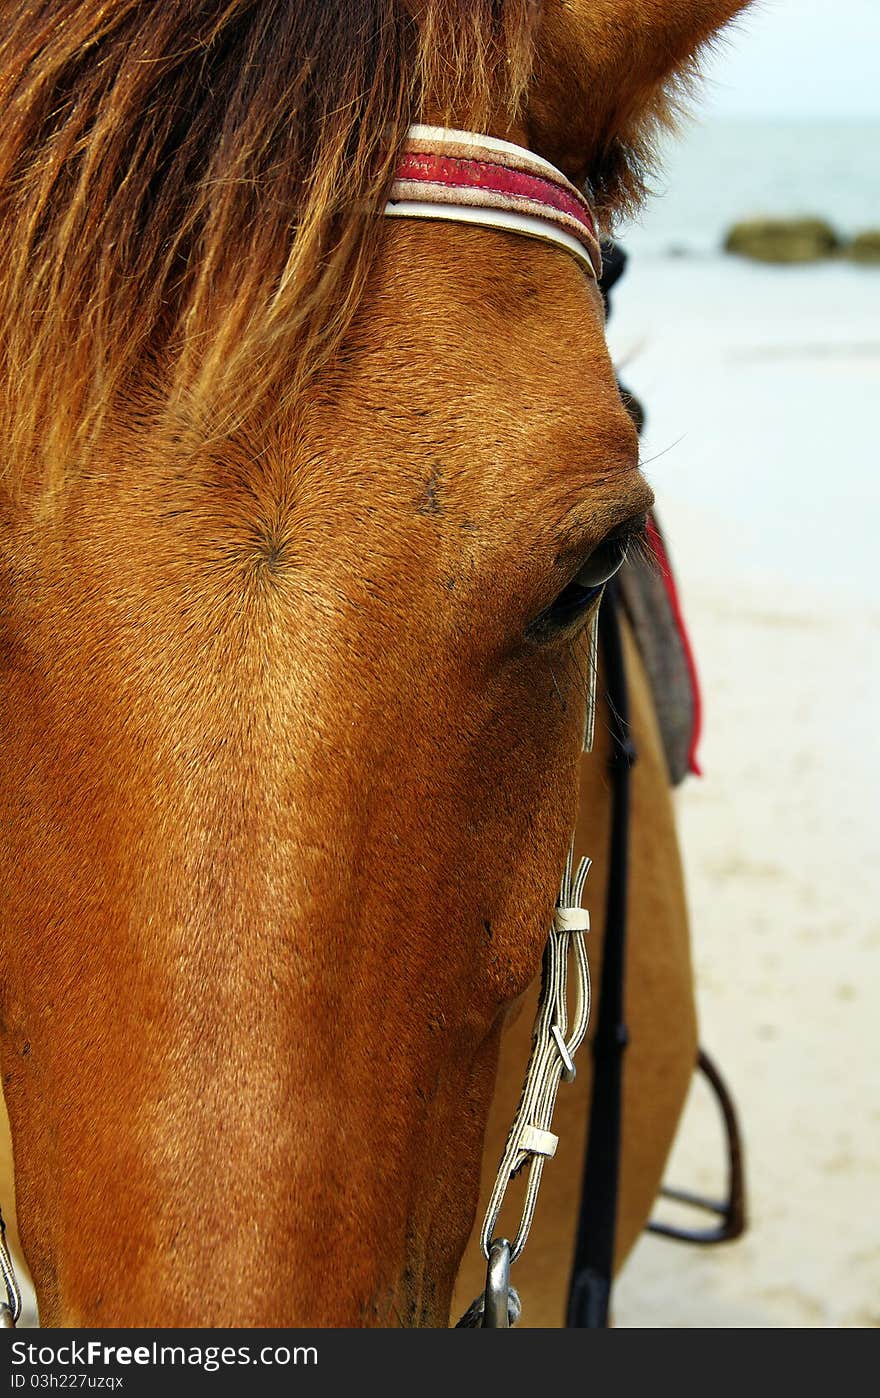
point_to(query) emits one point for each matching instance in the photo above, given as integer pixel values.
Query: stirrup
(731, 1214)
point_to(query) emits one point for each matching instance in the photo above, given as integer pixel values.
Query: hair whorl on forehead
(192, 185)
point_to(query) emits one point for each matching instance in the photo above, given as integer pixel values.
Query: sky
(799, 58)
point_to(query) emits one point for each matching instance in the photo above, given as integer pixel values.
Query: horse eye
(603, 563)
(577, 598)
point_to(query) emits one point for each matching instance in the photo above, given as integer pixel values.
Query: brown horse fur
(285, 786)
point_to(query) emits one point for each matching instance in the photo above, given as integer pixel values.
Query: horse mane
(190, 188)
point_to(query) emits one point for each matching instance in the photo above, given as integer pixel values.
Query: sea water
(722, 171)
(761, 383)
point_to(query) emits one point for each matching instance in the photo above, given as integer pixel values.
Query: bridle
(463, 177)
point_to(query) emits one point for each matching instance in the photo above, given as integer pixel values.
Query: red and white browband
(463, 177)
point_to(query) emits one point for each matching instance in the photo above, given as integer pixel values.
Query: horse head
(294, 655)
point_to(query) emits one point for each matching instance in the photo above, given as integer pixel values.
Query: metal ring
(496, 1304)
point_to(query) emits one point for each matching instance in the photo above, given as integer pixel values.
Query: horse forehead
(477, 350)
(485, 467)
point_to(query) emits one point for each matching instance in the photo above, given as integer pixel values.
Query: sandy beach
(761, 387)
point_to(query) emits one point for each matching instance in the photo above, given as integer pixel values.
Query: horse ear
(608, 76)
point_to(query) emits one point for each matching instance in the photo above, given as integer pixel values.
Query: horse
(294, 503)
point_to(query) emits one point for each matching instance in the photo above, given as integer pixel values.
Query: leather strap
(590, 1291)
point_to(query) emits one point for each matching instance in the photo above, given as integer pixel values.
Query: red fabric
(458, 173)
(658, 548)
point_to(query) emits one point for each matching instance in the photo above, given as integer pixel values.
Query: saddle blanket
(651, 600)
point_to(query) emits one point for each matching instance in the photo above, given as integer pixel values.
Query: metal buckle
(730, 1213)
